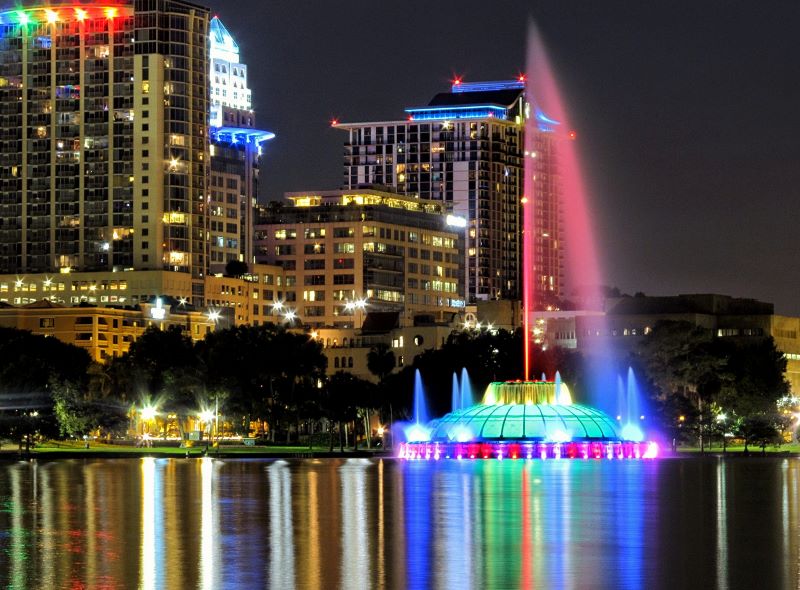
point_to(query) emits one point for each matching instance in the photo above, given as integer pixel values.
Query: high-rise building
(465, 149)
(236, 149)
(348, 253)
(103, 137)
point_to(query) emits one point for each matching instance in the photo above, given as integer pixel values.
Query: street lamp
(149, 413)
(351, 306)
(206, 418)
(721, 418)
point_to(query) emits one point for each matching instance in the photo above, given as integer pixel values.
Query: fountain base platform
(528, 450)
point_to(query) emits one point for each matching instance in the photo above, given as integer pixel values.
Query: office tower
(347, 253)
(236, 148)
(465, 149)
(104, 138)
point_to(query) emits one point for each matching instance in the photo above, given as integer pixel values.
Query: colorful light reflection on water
(698, 523)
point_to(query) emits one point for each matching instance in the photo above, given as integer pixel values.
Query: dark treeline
(273, 383)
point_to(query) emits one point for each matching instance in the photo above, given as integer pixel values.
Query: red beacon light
(573, 135)
(334, 122)
(411, 117)
(457, 81)
(521, 78)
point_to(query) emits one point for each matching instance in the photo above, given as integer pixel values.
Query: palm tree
(381, 362)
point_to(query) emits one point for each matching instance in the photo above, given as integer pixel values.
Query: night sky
(687, 115)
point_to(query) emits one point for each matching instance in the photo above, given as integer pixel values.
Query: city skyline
(683, 118)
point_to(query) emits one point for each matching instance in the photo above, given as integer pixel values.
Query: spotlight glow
(632, 432)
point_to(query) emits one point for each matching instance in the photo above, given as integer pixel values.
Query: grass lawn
(99, 447)
(739, 448)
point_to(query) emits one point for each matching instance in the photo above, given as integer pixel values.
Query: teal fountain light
(522, 420)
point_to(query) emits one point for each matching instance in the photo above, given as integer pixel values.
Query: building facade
(104, 332)
(236, 150)
(345, 253)
(103, 137)
(250, 298)
(465, 149)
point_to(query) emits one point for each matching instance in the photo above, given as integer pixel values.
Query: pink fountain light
(582, 264)
(528, 419)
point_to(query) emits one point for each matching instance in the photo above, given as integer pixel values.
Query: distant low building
(105, 332)
(347, 348)
(628, 319)
(346, 253)
(251, 298)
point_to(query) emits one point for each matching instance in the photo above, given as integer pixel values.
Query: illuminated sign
(456, 221)
(158, 312)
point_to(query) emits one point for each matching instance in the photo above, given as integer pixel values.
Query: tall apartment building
(236, 148)
(346, 253)
(465, 149)
(104, 144)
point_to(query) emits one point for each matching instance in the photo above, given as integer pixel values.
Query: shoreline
(71, 454)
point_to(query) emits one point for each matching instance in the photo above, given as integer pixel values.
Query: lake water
(358, 523)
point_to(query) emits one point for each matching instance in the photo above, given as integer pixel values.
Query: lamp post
(206, 419)
(721, 418)
(148, 414)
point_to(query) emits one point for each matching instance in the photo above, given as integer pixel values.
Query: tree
(758, 381)
(162, 366)
(758, 430)
(381, 361)
(236, 268)
(340, 401)
(31, 365)
(266, 373)
(684, 360)
(71, 411)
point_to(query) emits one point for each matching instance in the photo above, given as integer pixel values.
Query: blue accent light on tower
(240, 135)
(461, 87)
(545, 123)
(475, 111)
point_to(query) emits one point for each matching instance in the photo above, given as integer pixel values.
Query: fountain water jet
(528, 418)
(455, 398)
(466, 389)
(420, 412)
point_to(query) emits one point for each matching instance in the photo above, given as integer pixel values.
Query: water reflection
(355, 557)
(209, 546)
(384, 524)
(281, 563)
(147, 544)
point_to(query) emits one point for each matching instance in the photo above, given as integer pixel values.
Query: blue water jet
(466, 390)
(455, 398)
(420, 411)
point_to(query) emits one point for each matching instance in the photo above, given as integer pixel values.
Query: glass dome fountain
(525, 419)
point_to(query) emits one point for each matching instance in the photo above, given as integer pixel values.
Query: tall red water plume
(549, 115)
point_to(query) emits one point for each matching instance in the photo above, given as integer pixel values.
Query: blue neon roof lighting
(240, 135)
